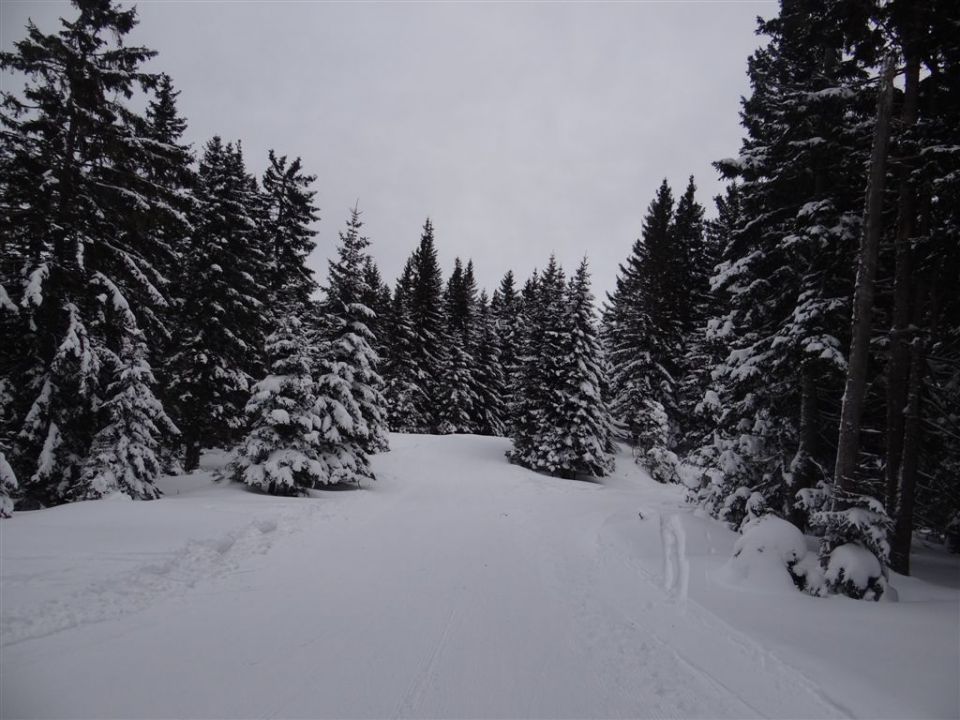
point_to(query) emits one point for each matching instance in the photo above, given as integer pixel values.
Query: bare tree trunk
(899, 370)
(903, 528)
(848, 446)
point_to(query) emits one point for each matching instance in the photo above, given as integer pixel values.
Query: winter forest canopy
(793, 351)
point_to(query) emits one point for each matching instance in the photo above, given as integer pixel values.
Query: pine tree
(457, 400)
(786, 272)
(377, 298)
(643, 338)
(288, 213)
(425, 305)
(220, 335)
(403, 390)
(124, 452)
(581, 418)
(347, 358)
(563, 427)
(290, 447)
(83, 183)
(506, 308)
(490, 409)
(543, 299)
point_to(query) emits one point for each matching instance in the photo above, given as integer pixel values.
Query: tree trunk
(899, 370)
(191, 459)
(848, 446)
(903, 528)
(804, 470)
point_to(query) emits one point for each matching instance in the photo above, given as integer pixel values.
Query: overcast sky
(521, 129)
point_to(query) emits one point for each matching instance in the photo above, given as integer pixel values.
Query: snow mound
(763, 554)
(854, 565)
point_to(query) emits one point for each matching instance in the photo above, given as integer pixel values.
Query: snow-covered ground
(456, 586)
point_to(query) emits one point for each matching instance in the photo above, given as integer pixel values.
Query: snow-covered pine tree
(642, 338)
(377, 298)
(695, 260)
(491, 389)
(82, 182)
(507, 310)
(536, 445)
(124, 452)
(425, 305)
(403, 386)
(921, 375)
(289, 447)
(456, 392)
(8, 486)
(708, 350)
(581, 418)
(289, 212)
(349, 388)
(220, 334)
(787, 271)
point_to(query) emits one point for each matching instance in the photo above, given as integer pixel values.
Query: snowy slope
(456, 586)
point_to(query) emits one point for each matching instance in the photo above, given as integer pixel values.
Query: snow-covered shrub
(654, 439)
(766, 553)
(854, 571)
(852, 526)
(8, 485)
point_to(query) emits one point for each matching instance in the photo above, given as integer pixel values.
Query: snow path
(458, 586)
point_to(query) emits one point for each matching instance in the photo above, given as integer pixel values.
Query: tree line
(803, 359)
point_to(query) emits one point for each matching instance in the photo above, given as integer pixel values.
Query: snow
(761, 555)
(457, 585)
(854, 563)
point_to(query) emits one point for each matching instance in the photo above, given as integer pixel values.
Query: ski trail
(710, 648)
(137, 589)
(426, 675)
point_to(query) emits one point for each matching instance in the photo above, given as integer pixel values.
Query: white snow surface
(455, 586)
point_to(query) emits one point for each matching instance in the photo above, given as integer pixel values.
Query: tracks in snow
(138, 588)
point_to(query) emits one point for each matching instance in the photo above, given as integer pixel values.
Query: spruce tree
(124, 454)
(506, 308)
(643, 339)
(490, 410)
(83, 184)
(581, 418)
(288, 215)
(348, 363)
(220, 335)
(425, 306)
(288, 449)
(457, 400)
(403, 387)
(787, 269)
(534, 442)
(377, 298)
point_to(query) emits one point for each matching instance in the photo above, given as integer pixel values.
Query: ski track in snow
(457, 586)
(143, 586)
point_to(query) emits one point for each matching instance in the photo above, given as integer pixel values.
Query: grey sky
(521, 129)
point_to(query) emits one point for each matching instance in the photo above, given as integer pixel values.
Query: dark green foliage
(86, 198)
(288, 215)
(225, 305)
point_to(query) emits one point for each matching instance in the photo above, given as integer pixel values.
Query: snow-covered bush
(854, 571)
(8, 485)
(766, 553)
(654, 440)
(851, 527)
